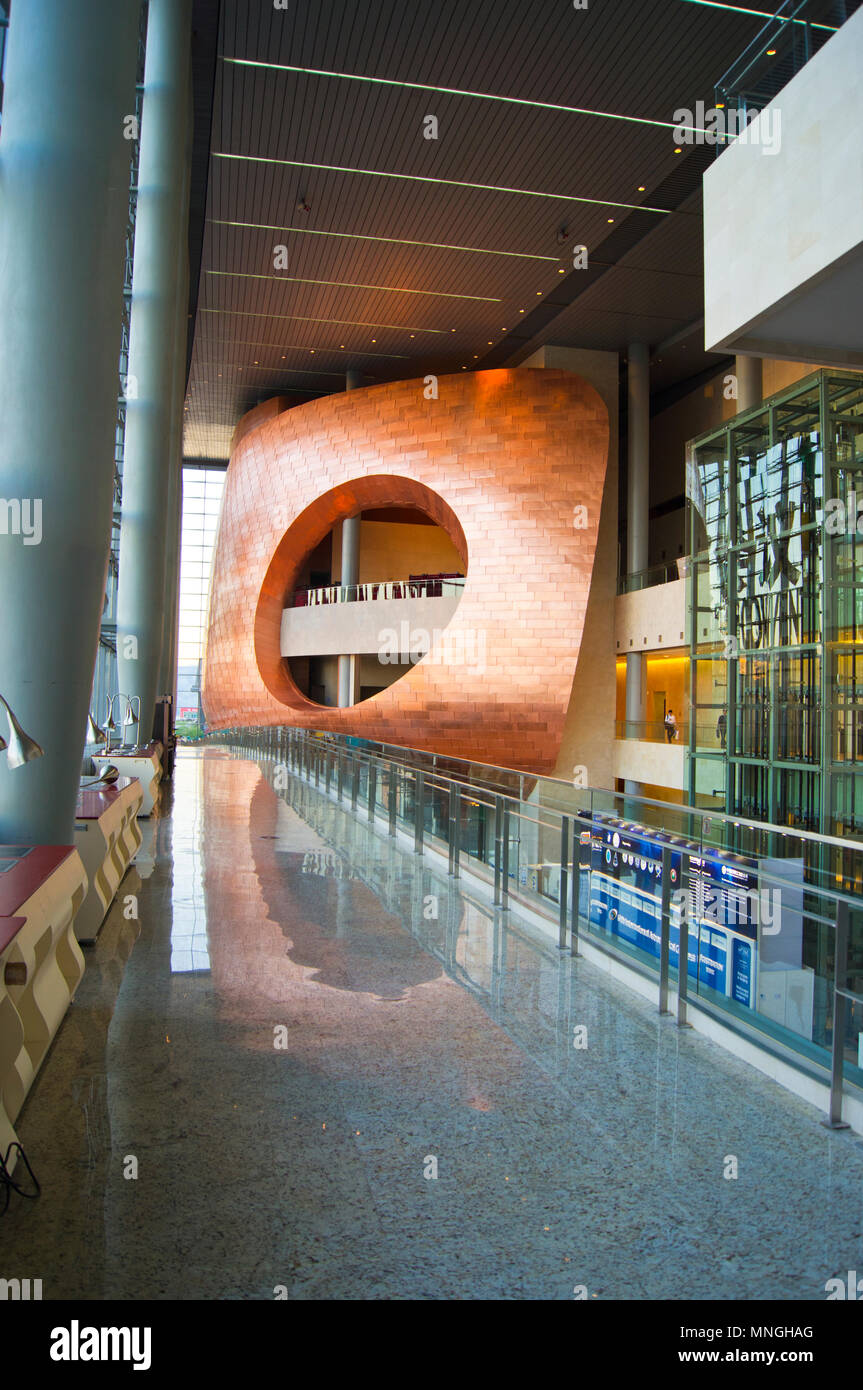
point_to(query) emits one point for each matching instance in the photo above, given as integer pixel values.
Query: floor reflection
(302, 1015)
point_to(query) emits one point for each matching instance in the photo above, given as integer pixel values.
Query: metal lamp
(131, 719)
(94, 733)
(20, 747)
(106, 778)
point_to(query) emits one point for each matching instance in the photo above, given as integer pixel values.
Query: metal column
(419, 823)
(564, 882)
(64, 169)
(840, 986)
(148, 462)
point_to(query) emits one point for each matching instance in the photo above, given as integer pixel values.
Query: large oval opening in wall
(362, 587)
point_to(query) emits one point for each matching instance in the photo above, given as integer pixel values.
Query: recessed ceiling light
(641, 188)
(539, 291)
(771, 52)
(561, 271)
(678, 151)
(610, 220)
(374, 340)
(475, 356)
(283, 357)
(341, 345)
(720, 105)
(490, 342)
(312, 349)
(521, 311)
(256, 362)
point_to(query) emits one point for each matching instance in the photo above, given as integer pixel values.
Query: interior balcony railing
(769, 919)
(652, 731)
(656, 574)
(794, 32)
(417, 586)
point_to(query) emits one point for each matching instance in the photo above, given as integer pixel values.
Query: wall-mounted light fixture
(94, 733)
(20, 747)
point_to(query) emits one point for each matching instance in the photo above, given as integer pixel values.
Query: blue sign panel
(623, 896)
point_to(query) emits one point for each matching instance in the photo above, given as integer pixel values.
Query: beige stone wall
(588, 734)
(395, 550)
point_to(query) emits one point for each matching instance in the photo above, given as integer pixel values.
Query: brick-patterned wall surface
(503, 460)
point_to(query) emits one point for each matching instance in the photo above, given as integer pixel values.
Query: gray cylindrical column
(349, 666)
(64, 178)
(637, 517)
(148, 460)
(167, 684)
(748, 371)
(638, 456)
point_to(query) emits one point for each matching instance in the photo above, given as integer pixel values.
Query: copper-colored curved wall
(517, 459)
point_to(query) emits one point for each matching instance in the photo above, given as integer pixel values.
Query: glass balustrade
(770, 916)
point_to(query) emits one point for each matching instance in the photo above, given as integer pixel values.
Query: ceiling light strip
(390, 240)
(288, 371)
(446, 183)
(762, 14)
(449, 91)
(277, 347)
(345, 323)
(349, 285)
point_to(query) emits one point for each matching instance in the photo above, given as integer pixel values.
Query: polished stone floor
(304, 1023)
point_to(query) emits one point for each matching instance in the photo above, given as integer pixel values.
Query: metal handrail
(377, 590)
(682, 808)
(654, 575)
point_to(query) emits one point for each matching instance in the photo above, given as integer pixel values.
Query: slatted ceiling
(640, 57)
(631, 291)
(674, 245)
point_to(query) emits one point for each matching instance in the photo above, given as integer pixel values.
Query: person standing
(670, 726)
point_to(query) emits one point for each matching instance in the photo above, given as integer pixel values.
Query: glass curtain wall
(776, 610)
(202, 501)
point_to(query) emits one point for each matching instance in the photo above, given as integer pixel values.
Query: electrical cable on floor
(9, 1183)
